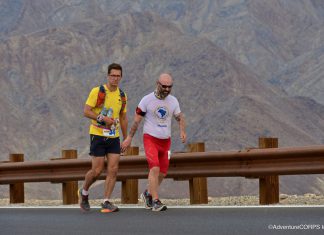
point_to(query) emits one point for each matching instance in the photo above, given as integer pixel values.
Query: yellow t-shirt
(112, 100)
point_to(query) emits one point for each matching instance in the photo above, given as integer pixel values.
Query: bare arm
(123, 123)
(182, 125)
(127, 142)
(89, 113)
(137, 121)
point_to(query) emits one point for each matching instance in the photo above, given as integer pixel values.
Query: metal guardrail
(246, 163)
(265, 164)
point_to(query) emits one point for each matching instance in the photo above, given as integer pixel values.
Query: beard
(161, 94)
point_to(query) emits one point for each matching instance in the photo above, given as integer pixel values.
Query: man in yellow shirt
(106, 108)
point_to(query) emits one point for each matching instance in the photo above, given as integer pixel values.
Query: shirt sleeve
(143, 104)
(92, 98)
(140, 112)
(177, 109)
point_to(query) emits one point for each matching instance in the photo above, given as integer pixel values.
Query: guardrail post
(130, 186)
(17, 190)
(70, 188)
(268, 185)
(198, 185)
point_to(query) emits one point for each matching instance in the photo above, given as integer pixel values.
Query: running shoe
(147, 199)
(107, 207)
(84, 201)
(158, 206)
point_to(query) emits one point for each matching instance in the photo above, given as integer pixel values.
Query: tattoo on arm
(180, 119)
(133, 129)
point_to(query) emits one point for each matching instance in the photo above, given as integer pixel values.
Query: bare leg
(112, 169)
(161, 177)
(98, 164)
(153, 179)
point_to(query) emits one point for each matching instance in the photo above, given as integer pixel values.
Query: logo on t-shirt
(162, 113)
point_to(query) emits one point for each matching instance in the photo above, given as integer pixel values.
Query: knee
(112, 171)
(96, 172)
(155, 170)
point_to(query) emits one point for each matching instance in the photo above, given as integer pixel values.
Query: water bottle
(105, 112)
(110, 112)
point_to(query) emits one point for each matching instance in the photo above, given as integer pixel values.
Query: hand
(100, 118)
(108, 121)
(126, 143)
(183, 136)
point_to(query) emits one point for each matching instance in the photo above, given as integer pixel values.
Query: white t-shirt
(158, 114)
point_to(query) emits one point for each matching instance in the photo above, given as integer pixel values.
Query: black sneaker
(158, 206)
(84, 202)
(147, 199)
(107, 207)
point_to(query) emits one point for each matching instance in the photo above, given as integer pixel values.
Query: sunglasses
(165, 86)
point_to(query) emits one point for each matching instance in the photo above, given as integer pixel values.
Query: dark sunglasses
(165, 86)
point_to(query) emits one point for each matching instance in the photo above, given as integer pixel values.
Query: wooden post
(70, 188)
(198, 185)
(268, 185)
(130, 186)
(17, 190)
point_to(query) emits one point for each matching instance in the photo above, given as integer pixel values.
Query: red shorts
(156, 151)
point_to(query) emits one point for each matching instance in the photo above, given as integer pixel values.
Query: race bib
(109, 133)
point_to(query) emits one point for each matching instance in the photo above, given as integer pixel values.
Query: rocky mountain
(242, 69)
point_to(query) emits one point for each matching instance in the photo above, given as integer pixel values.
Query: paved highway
(176, 220)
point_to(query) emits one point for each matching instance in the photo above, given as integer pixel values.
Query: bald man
(157, 109)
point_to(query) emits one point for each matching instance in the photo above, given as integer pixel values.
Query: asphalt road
(138, 221)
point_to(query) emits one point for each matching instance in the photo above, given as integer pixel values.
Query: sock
(85, 193)
(106, 199)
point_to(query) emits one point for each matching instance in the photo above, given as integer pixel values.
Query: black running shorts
(100, 146)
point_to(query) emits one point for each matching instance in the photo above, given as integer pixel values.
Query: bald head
(164, 85)
(165, 79)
